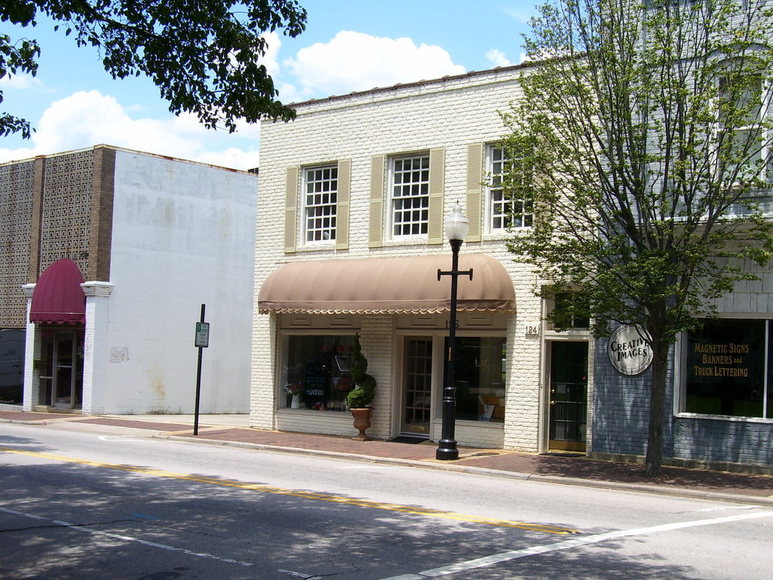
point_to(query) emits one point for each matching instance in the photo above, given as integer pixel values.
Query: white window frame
(680, 379)
(320, 226)
(419, 225)
(500, 216)
(766, 155)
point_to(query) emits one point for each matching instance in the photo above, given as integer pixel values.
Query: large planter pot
(361, 422)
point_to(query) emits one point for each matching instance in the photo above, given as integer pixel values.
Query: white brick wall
(182, 237)
(451, 114)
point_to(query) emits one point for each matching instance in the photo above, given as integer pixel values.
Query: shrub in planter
(364, 384)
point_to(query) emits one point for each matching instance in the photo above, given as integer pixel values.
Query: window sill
(321, 247)
(485, 424)
(506, 234)
(287, 411)
(408, 241)
(726, 418)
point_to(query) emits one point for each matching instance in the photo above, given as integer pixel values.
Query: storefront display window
(728, 368)
(316, 372)
(480, 378)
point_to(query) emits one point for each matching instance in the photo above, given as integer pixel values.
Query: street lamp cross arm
(454, 273)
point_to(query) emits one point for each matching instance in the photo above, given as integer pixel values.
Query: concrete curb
(560, 480)
(674, 491)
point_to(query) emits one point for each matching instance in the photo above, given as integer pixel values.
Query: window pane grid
(418, 384)
(514, 211)
(410, 196)
(320, 203)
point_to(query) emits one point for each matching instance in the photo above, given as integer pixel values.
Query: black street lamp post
(457, 226)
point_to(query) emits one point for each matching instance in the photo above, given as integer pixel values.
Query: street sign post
(201, 341)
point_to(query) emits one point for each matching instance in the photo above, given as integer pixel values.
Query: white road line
(573, 543)
(126, 538)
(298, 574)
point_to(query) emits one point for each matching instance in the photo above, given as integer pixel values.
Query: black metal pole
(447, 445)
(198, 383)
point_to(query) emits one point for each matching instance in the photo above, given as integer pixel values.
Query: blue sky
(348, 45)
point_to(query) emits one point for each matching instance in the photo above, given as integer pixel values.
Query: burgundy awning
(58, 297)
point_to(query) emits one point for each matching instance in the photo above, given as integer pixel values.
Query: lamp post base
(446, 450)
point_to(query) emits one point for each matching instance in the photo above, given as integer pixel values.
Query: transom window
(410, 195)
(508, 209)
(569, 311)
(321, 197)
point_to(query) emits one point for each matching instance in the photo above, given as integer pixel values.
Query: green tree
(202, 55)
(643, 141)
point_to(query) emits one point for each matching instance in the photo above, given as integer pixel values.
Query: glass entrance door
(417, 386)
(568, 395)
(61, 377)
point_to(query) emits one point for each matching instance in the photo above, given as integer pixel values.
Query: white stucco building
(140, 242)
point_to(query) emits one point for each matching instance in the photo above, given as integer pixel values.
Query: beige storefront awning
(386, 286)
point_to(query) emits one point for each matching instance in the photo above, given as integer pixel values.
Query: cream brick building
(353, 194)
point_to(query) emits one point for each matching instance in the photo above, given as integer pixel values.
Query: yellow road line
(300, 494)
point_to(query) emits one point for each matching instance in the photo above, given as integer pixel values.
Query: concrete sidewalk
(565, 469)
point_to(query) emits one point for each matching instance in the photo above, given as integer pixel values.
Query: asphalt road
(89, 501)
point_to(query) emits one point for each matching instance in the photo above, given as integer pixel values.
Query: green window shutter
(376, 231)
(474, 190)
(436, 187)
(342, 209)
(291, 209)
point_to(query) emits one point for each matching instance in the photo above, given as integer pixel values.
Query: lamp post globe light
(457, 226)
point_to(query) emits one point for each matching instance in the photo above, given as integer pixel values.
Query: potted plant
(361, 396)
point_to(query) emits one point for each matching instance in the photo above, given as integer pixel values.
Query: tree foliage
(646, 130)
(203, 55)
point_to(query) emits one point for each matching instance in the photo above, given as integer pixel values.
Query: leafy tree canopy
(202, 54)
(643, 141)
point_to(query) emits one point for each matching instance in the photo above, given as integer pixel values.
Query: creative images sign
(629, 350)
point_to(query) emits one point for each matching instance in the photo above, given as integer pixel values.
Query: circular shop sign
(629, 349)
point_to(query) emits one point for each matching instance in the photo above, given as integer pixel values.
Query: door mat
(408, 439)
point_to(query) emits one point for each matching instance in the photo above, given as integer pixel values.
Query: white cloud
(231, 157)
(20, 82)
(521, 12)
(287, 92)
(353, 61)
(89, 118)
(271, 58)
(497, 58)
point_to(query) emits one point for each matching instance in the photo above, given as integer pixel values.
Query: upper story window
(406, 198)
(509, 207)
(316, 215)
(409, 195)
(320, 200)
(743, 148)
